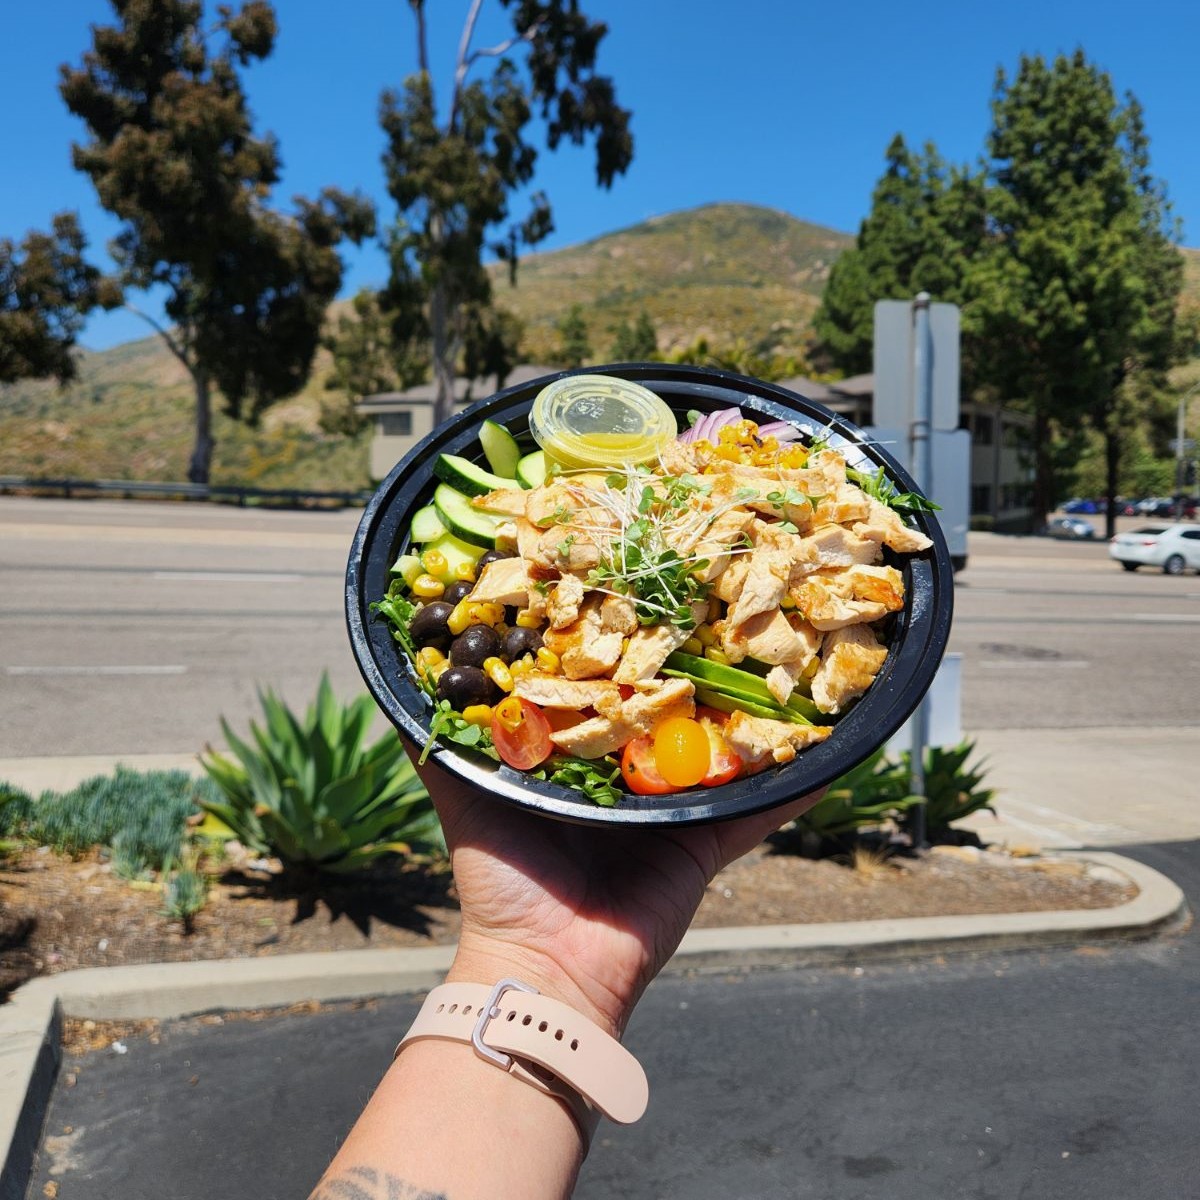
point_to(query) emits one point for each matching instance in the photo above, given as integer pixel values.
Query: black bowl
(918, 633)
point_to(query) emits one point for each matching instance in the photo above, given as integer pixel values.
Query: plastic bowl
(917, 641)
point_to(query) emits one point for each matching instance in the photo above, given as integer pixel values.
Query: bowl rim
(919, 634)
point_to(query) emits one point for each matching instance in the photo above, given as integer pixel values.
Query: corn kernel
(717, 656)
(693, 646)
(704, 635)
(478, 714)
(425, 587)
(495, 669)
(465, 571)
(436, 670)
(814, 665)
(434, 561)
(548, 660)
(486, 614)
(459, 618)
(788, 601)
(527, 619)
(430, 655)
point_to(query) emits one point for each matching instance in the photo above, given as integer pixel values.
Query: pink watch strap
(520, 1030)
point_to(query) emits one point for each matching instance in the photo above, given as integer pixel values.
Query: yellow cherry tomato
(681, 751)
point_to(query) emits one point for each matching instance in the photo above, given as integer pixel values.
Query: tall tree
(46, 289)
(927, 221)
(452, 177)
(172, 153)
(1075, 293)
(637, 342)
(574, 347)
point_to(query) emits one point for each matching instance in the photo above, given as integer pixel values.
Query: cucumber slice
(408, 567)
(426, 525)
(500, 449)
(463, 520)
(466, 476)
(456, 552)
(531, 470)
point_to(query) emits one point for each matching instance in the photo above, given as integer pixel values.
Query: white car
(1175, 548)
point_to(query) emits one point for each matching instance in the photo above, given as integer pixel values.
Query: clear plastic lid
(600, 421)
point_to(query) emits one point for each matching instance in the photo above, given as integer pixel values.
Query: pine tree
(171, 153)
(637, 342)
(926, 223)
(453, 177)
(1075, 294)
(574, 347)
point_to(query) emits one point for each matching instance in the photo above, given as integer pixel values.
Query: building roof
(810, 389)
(465, 390)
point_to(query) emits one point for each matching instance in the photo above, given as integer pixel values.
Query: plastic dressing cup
(599, 421)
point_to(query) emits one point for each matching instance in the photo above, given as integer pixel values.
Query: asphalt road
(132, 627)
(1039, 1076)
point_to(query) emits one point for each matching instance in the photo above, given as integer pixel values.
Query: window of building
(981, 498)
(984, 429)
(395, 424)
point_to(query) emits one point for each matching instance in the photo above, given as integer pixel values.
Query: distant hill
(728, 272)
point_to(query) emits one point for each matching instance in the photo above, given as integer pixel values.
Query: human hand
(588, 915)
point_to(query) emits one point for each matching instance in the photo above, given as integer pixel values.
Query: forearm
(445, 1124)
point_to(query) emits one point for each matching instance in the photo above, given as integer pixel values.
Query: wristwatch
(541, 1041)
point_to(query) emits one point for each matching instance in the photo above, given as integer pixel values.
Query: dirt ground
(57, 914)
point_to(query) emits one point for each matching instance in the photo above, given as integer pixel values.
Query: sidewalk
(1056, 789)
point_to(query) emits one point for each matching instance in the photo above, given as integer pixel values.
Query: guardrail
(214, 493)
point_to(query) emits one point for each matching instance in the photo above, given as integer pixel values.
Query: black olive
(429, 626)
(473, 646)
(459, 590)
(464, 686)
(520, 642)
(491, 556)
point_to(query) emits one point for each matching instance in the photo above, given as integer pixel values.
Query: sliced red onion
(781, 431)
(718, 420)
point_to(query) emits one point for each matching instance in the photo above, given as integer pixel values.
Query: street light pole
(921, 464)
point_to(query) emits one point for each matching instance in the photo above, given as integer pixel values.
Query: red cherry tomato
(724, 762)
(639, 771)
(521, 733)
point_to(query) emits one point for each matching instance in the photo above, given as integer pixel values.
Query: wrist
(486, 960)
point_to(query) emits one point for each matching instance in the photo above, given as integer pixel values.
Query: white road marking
(227, 576)
(164, 669)
(1165, 617)
(1006, 664)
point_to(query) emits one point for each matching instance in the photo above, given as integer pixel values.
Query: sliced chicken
(509, 502)
(850, 660)
(563, 601)
(553, 691)
(620, 721)
(503, 581)
(759, 741)
(884, 524)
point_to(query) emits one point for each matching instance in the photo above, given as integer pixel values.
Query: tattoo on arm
(365, 1183)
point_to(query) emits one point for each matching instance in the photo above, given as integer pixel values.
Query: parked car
(1081, 506)
(1175, 548)
(1073, 528)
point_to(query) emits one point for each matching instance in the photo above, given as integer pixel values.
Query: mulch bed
(57, 914)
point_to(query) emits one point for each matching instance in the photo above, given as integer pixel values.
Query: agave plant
(314, 794)
(868, 794)
(952, 789)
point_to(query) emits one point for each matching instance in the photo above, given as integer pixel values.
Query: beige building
(1001, 468)
(401, 419)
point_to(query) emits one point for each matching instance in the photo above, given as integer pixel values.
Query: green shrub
(15, 806)
(185, 893)
(313, 794)
(140, 817)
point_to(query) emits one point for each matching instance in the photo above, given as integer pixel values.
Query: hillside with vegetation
(729, 273)
(734, 274)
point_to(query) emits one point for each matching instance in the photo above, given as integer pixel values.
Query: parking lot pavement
(1050, 1075)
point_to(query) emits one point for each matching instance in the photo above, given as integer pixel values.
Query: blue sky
(776, 102)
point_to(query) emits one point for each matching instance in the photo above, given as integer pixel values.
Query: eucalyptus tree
(172, 153)
(454, 173)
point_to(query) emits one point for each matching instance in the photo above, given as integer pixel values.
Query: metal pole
(920, 461)
(1180, 472)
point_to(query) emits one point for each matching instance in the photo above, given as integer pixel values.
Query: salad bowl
(917, 634)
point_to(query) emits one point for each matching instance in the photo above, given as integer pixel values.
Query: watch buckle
(489, 1012)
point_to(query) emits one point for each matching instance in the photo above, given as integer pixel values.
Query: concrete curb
(30, 1024)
